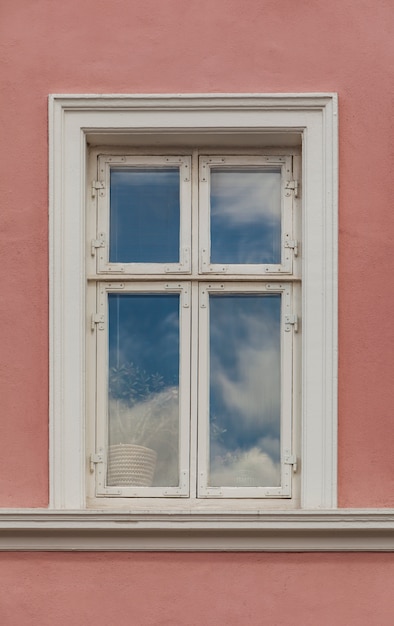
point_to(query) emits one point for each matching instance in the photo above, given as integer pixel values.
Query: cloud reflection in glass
(245, 215)
(245, 390)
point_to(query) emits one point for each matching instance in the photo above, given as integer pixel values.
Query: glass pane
(245, 215)
(144, 215)
(143, 390)
(245, 390)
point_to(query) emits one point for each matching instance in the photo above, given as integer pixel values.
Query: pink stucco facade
(226, 46)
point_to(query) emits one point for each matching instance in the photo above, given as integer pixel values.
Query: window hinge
(207, 267)
(97, 243)
(183, 486)
(117, 269)
(291, 185)
(204, 294)
(291, 320)
(184, 265)
(98, 185)
(291, 459)
(95, 458)
(99, 319)
(292, 243)
(184, 291)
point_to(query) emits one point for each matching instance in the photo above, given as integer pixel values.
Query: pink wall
(196, 589)
(158, 46)
(173, 46)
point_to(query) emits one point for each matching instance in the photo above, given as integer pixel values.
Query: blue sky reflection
(144, 215)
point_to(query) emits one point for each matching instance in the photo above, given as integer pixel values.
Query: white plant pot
(131, 465)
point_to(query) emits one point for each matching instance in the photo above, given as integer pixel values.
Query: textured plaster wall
(196, 589)
(164, 46)
(154, 46)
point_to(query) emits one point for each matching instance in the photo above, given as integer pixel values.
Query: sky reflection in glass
(245, 390)
(245, 215)
(144, 377)
(144, 215)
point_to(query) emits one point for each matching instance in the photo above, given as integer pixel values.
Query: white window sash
(105, 162)
(102, 489)
(286, 387)
(205, 165)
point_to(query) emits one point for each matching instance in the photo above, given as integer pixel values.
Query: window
(252, 302)
(194, 272)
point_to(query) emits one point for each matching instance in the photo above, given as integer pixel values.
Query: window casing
(248, 123)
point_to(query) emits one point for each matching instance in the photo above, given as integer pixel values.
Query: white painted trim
(281, 163)
(282, 531)
(71, 120)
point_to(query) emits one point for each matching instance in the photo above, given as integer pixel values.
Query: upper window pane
(245, 215)
(144, 215)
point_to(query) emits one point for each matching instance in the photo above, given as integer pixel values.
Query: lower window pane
(245, 390)
(143, 390)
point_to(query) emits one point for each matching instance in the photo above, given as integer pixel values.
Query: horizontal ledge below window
(300, 531)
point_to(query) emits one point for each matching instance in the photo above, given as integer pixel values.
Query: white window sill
(299, 531)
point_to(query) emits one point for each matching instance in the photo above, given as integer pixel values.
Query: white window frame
(104, 278)
(76, 120)
(286, 488)
(205, 164)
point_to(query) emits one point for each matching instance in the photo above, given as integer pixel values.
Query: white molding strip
(314, 531)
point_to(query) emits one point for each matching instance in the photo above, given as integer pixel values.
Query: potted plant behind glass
(143, 428)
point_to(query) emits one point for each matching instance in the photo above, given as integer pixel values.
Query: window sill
(300, 531)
